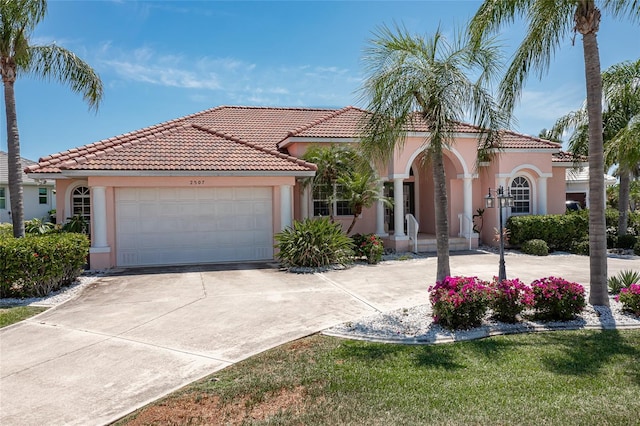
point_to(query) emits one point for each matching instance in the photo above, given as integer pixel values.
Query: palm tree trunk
(623, 201)
(353, 223)
(597, 225)
(441, 211)
(13, 154)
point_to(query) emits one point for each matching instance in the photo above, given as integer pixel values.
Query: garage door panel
(157, 226)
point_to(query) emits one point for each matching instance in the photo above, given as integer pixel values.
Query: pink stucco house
(217, 185)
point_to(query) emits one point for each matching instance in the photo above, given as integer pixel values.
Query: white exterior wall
(32, 207)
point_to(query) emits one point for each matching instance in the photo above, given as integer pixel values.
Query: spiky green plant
(314, 243)
(623, 280)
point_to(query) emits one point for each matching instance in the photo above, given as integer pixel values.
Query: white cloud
(540, 109)
(234, 80)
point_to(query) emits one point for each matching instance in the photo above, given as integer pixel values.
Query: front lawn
(563, 378)
(12, 314)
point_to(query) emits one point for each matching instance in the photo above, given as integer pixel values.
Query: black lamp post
(504, 201)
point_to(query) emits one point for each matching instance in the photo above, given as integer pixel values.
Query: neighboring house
(217, 185)
(578, 185)
(38, 194)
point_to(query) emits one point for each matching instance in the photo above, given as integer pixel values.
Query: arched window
(81, 204)
(521, 192)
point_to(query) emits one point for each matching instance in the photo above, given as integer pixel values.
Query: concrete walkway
(134, 336)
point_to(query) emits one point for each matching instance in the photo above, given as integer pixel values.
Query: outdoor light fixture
(504, 200)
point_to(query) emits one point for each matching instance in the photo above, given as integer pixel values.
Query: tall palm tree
(410, 79)
(549, 23)
(621, 119)
(18, 19)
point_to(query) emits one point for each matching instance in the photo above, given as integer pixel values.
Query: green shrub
(634, 222)
(36, 265)
(559, 231)
(627, 241)
(557, 299)
(580, 247)
(6, 230)
(636, 248)
(314, 243)
(535, 247)
(369, 246)
(612, 237)
(39, 227)
(622, 280)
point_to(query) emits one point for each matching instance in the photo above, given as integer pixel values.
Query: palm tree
(621, 119)
(549, 23)
(333, 162)
(18, 19)
(412, 79)
(360, 189)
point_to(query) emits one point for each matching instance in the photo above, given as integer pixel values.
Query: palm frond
(52, 62)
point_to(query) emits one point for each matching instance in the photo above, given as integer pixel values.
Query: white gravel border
(57, 297)
(414, 326)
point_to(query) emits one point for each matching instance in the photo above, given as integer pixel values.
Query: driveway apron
(134, 336)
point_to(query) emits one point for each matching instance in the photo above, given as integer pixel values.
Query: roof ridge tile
(333, 113)
(257, 147)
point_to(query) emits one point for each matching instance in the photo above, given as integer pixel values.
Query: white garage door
(164, 226)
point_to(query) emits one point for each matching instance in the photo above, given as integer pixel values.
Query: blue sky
(161, 60)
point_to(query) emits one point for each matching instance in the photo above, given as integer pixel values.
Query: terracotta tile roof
(342, 123)
(508, 138)
(254, 131)
(568, 157)
(231, 138)
(513, 140)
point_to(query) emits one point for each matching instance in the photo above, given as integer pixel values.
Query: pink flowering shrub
(508, 298)
(459, 302)
(630, 298)
(557, 299)
(369, 246)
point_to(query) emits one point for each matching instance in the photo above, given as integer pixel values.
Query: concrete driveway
(136, 335)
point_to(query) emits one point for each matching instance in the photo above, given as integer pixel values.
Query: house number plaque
(196, 182)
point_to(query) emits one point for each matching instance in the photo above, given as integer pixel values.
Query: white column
(285, 207)
(468, 207)
(380, 213)
(99, 213)
(304, 202)
(398, 208)
(542, 195)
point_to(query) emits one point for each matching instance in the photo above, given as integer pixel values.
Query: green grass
(12, 314)
(555, 378)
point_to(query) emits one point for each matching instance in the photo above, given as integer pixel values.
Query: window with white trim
(43, 196)
(3, 198)
(81, 203)
(521, 193)
(321, 201)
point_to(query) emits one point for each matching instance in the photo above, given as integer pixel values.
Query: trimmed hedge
(36, 265)
(560, 231)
